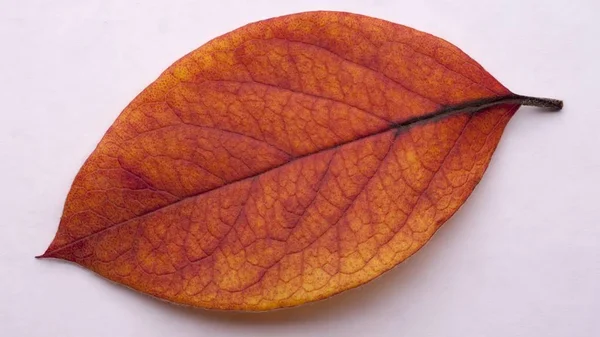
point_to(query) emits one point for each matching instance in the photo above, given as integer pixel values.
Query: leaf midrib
(472, 106)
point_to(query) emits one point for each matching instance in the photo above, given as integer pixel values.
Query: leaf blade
(187, 147)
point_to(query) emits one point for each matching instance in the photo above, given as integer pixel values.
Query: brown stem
(480, 104)
(549, 103)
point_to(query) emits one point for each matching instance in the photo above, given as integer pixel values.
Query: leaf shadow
(352, 303)
(349, 303)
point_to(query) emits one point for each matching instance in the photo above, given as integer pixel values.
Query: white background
(521, 258)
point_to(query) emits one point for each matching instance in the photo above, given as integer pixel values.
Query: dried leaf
(285, 162)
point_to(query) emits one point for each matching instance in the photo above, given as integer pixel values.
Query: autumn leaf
(285, 162)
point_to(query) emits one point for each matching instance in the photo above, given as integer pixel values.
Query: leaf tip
(46, 255)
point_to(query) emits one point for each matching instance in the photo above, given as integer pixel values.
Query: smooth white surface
(521, 258)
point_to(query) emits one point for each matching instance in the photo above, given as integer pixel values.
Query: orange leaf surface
(285, 162)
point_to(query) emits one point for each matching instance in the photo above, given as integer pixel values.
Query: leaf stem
(540, 102)
(480, 104)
